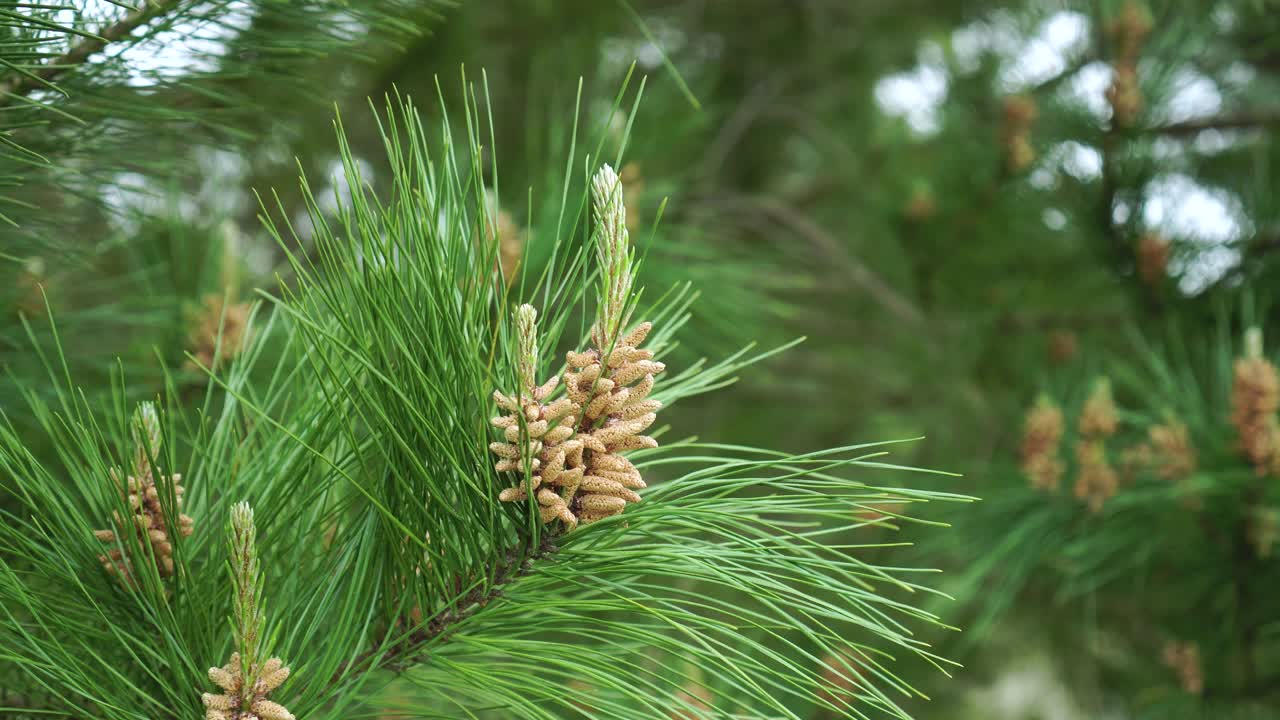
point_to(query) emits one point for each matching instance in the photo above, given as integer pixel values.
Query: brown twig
(740, 122)
(858, 273)
(1047, 86)
(1237, 121)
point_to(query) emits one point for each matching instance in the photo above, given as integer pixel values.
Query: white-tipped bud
(606, 196)
(1253, 343)
(527, 330)
(246, 598)
(613, 251)
(145, 428)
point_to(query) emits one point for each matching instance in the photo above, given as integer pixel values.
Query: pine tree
(382, 527)
(971, 209)
(1116, 219)
(1165, 535)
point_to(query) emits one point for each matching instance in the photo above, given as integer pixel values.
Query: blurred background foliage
(961, 205)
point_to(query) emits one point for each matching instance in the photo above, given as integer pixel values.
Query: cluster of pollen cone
(245, 686)
(1096, 480)
(570, 451)
(1255, 398)
(1168, 451)
(146, 515)
(238, 702)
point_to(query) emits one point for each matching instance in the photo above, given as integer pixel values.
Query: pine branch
(362, 438)
(105, 110)
(20, 84)
(397, 654)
